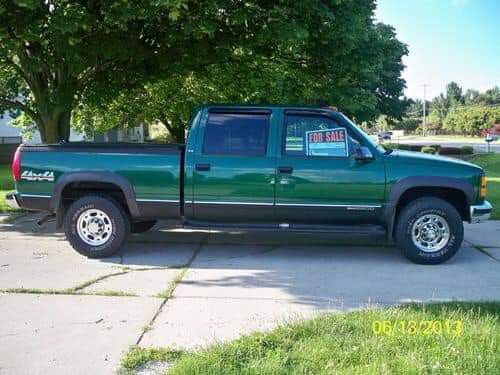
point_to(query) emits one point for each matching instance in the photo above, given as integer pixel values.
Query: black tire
(417, 209)
(142, 226)
(119, 222)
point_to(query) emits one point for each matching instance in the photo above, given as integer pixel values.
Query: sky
(448, 40)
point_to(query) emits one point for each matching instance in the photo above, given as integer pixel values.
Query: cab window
(307, 135)
(236, 134)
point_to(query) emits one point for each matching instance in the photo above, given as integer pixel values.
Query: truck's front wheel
(429, 231)
(96, 226)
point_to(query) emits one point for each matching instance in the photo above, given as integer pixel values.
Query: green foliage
(441, 106)
(400, 146)
(471, 120)
(466, 150)
(6, 185)
(428, 150)
(57, 56)
(491, 165)
(301, 53)
(412, 117)
(489, 97)
(52, 52)
(6, 180)
(137, 357)
(454, 94)
(346, 343)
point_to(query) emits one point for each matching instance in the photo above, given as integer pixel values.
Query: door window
(236, 134)
(316, 136)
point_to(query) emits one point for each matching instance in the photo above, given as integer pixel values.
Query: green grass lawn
(491, 164)
(6, 185)
(346, 343)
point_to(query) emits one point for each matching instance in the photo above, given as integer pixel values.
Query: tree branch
(19, 70)
(22, 107)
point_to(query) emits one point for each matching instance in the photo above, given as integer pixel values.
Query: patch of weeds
(167, 293)
(69, 291)
(97, 279)
(76, 290)
(110, 293)
(138, 357)
(35, 291)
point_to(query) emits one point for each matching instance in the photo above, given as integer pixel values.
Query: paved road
(235, 283)
(478, 147)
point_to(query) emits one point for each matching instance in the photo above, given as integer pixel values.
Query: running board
(364, 229)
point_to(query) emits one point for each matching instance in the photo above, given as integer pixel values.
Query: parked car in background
(384, 136)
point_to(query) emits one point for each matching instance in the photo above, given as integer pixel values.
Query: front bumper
(12, 200)
(480, 212)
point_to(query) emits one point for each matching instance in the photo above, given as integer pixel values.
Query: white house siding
(6, 130)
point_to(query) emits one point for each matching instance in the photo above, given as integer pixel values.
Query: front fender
(403, 185)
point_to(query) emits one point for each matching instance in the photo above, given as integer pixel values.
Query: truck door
(318, 180)
(234, 167)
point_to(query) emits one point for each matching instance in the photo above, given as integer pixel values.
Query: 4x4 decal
(42, 176)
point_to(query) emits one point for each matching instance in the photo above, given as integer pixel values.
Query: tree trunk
(178, 132)
(55, 128)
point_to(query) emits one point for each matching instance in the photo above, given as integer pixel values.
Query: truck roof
(265, 106)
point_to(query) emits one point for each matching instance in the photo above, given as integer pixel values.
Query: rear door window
(242, 134)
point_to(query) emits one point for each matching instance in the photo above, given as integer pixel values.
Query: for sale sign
(328, 142)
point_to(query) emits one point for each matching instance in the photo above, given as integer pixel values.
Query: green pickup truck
(254, 167)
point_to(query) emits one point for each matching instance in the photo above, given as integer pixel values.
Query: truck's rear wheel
(429, 231)
(96, 226)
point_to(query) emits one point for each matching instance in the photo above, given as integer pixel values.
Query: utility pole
(424, 128)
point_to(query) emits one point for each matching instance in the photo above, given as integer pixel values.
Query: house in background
(11, 134)
(137, 134)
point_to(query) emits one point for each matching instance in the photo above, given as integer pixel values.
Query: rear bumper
(480, 212)
(12, 201)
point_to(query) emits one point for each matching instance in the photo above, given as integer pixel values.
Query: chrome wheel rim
(94, 227)
(430, 233)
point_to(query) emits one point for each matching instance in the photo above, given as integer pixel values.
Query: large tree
(471, 120)
(57, 55)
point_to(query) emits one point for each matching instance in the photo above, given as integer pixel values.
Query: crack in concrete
(78, 289)
(172, 288)
(483, 250)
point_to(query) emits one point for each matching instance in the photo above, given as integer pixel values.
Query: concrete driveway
(63, 313)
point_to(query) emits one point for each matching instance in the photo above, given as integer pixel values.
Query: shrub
(391, 146)
(467, 150)
(396, 146)
(436, 147)
(428, 150)
(450, 151)
(414, 147)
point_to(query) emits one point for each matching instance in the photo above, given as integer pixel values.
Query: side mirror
(363, 153)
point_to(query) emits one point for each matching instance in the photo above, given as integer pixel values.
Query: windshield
(379, 147)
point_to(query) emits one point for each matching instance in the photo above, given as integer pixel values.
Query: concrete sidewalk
(63, 313)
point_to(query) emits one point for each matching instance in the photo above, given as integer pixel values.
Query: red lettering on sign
(335, 135)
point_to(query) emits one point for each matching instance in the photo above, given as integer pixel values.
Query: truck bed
(153, 171)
